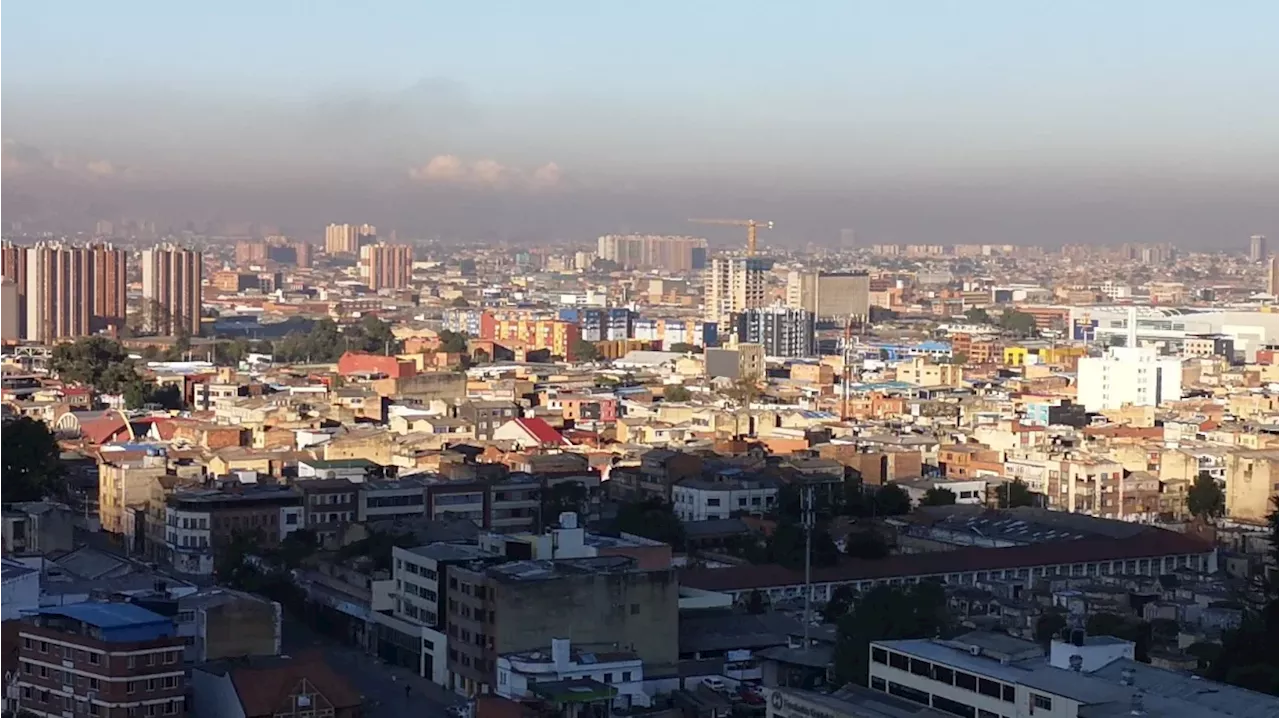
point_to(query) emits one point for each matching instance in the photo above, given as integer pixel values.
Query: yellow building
(921, 372)
(1017, 355)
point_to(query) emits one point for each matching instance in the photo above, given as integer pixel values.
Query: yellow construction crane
(751, 224)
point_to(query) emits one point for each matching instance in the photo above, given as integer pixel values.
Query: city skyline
(995, 123)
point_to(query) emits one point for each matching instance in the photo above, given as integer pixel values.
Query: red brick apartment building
(99, 659)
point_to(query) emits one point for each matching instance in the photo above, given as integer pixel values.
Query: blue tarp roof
(107, 615)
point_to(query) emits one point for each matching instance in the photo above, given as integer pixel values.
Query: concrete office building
(414, 633)
(985, 675)
(782, 331)
(733, 285)
(347, 238)
(1128, 375)
(386, 266)
(506, 608)
(172, 290)
(830, 296)
(1167, 328)
(1257, 248)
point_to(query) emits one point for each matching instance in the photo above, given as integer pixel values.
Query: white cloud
(23, 159)
(484, 173)
(444, 168)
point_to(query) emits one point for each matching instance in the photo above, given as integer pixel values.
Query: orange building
(558, 337)
(358, 363)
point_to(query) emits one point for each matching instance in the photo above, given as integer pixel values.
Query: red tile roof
(1149, 544)
(111, 425)
(264, 691)
(542, 431)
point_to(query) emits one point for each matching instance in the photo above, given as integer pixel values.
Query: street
(382, 685)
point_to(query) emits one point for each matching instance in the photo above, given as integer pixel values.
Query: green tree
(977, 315)
(605, 265)
(683, 348)
(1018, 323)
(323, 344)
(1205, 499)
(585, 351)
(891, 500)
(841, 601)
(566, 496)
(481, 357)
(653, 519)
(786, 547)
(139, 394)
(675, 392)
(756, 603)
(887, 613)
(453, 342)
(743, 391)
(231, 353)
(371, 335)
(32, 467)
(938, 496)
(1014, 494)
(866, 544)
(94, 361)
(1248, 656)
(1049, 625)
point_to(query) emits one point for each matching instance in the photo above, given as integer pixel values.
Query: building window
(899, 661)
(1007, 694)
(943, 674)
(879, 655)
(635, 609)
(626, 676)
(967, 681)
(877, 684)
(909, 693)
(1041, 702)
(953, 707)
(989, 688)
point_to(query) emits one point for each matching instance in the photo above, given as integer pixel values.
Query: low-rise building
(990, 674)
(717, 498)
(219, 623)
(619, 673)
(112, 660)
(505, 608)
(201, 522)
(391, 498)
(297, 687)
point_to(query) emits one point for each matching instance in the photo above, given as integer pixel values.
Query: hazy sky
(926, 120)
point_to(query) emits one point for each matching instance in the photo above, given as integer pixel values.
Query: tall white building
(1128, 375)
(733, 285)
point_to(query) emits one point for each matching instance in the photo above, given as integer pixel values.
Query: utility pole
(806, 520)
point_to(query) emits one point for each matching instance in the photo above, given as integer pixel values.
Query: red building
(108, 660)
(390, 367)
